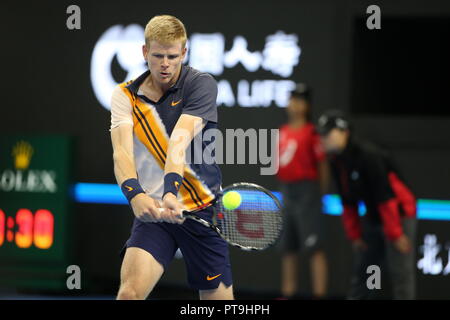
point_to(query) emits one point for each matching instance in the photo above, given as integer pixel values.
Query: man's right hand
(146, 208)
(359, 244)
(403, 244)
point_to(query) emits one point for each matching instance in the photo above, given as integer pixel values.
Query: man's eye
(171, 57)
(158, 56)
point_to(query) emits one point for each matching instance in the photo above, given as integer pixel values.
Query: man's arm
(323, 169)
(144, 207)
(199, 108)
(122, 135)
(388, 206)
(186, 128)
(323, 166)
(350, 217)
(122, 142)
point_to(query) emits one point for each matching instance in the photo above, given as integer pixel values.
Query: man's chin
(164, 80)
(332, 151)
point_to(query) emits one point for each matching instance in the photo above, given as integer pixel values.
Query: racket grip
(185, 213)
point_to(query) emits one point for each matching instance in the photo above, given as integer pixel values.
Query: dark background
(394, 90)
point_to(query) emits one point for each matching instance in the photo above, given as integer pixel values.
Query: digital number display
(43, 229)
(2, 227)
(28, 229)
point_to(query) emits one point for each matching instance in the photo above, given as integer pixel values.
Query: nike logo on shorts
(212, 278)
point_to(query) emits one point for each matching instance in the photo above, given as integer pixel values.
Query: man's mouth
(164, 74)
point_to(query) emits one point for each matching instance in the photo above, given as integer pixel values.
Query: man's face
(335, 141)
(164, 60)
(297, 107)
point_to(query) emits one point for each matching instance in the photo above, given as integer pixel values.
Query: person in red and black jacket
(364, 172)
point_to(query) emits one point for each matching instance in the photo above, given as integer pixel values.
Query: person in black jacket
(364, 172)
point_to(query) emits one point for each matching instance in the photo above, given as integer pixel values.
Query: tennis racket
(255, 224)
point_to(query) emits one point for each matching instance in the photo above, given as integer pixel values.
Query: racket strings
(256, 223)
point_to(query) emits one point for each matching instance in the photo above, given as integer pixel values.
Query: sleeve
(201, 98)
(350, 217)
(121, 109)
(388, 207)
(318, 150)
(340, 178)
(389, 211)
(351, 222)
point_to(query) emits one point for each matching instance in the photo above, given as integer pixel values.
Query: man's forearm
(350, 219)
(124, 167)
(390, 217)
(176, 155)
(324, 176)
(185, 130)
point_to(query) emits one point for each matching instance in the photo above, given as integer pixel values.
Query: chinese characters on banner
(206, 52)
(431, 263)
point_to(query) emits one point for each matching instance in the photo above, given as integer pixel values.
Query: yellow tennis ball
(231, 200)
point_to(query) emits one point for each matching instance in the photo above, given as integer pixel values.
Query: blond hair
(165, 29)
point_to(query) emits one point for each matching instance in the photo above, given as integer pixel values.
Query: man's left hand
(175, 209)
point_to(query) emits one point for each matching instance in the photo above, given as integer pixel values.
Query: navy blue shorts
(205, 253)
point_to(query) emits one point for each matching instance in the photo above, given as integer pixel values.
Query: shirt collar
(350, 148)
(134, 86)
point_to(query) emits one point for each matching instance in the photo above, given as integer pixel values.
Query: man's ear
(144, 51)
(183, 52)
(347, 133)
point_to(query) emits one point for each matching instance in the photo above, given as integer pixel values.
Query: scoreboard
(34, 210)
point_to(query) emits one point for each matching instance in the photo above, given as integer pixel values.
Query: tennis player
(154, 119)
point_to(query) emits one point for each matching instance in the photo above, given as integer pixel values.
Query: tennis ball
(231, 200)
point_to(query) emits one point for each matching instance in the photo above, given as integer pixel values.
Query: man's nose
(165, 62)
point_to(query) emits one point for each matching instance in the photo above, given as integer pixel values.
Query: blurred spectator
(364, 172)
(303, 173)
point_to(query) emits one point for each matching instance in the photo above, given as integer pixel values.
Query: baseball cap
(332, 119)
(302, 90)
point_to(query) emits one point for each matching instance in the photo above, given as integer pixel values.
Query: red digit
(253, 220)
(43, 229)
(10, 227)
(24, 236)
(2, 227)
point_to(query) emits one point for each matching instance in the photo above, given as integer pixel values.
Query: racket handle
(185, 212)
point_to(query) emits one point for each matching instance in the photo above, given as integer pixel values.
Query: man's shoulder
(310, 130)
(122, 89)
(125, 84)
(132, 86)
(371, 152)
(197, 77)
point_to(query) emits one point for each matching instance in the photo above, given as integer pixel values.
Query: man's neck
(297, 123)
(153, 86)
(345, 146)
